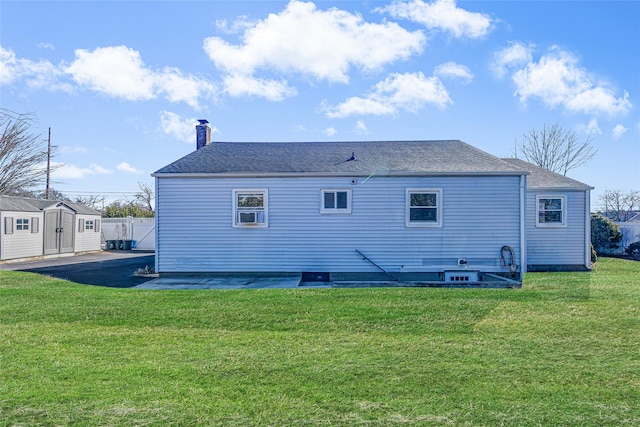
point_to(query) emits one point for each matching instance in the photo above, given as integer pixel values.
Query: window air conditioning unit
(251, 217)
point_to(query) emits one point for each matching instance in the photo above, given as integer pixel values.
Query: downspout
(587, 231)
(157, 257)
(523, 229)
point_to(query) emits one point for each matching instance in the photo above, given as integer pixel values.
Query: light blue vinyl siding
(195, 232)
(558, 245)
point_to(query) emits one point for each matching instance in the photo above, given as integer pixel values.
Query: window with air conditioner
(250, 208)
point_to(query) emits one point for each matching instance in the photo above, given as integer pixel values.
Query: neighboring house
(558, 215)
(630, 230)
(36, 227)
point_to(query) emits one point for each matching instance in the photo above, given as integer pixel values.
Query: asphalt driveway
(108, 268)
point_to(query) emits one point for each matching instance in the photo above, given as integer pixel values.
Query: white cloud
(618, 131)
(40, 74)
(178, 87)
(455, 71)
(240, 85)
(116, 71)
(356, 106)
(592, 127)
(361, 127)
(181, 128)
(240, 24)
(70, 171)
(99, 170)
(558, 81)
(330, 131)
(514, 55)
(410, 91)
(119, 71)
(301, 39)
(45, 45)
(442, 15)
(126, 167)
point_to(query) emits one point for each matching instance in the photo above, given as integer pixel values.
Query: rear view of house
(35, 227)
(440, 210)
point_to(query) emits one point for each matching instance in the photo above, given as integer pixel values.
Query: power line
(99, 192)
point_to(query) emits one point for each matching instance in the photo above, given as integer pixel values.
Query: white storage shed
(36, 227)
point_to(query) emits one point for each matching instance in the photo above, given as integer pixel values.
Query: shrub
(605, 235)
(633, 250)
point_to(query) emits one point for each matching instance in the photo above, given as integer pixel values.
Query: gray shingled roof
(543, 178)
(24, 204)
(388, 157)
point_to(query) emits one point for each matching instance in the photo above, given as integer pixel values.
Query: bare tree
(93, 201)
(145, 196)
(556, 149)
(23, 156)
(619, 206)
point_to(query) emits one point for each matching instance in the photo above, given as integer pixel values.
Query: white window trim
(562, 224)
(234, 203)
(336, 210)
(434, 224)
(89, 224)
(27, 224)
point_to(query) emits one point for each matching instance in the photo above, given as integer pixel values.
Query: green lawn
(563, 350)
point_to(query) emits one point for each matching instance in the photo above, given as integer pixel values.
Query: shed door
(58, 232)
(67, 232)
(51, 240)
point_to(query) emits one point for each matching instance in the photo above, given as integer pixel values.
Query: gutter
(327, 174)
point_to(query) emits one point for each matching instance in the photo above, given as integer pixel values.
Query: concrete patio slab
(231, 282)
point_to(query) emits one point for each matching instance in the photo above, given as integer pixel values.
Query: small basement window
(336, 201)
(22, 224)
(250, 208)
(551, 211)
(423, 208)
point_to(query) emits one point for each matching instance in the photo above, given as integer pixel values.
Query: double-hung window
(250, 208)
(551, 211)
(423, 207)
(336, 201)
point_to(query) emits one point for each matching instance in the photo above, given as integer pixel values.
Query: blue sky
(122, 84)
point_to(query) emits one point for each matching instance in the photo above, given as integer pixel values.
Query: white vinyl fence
(140, 231)
(630, 233)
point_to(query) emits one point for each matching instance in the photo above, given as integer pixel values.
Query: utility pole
(47, 193)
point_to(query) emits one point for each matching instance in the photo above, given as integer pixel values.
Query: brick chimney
(203, 134)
